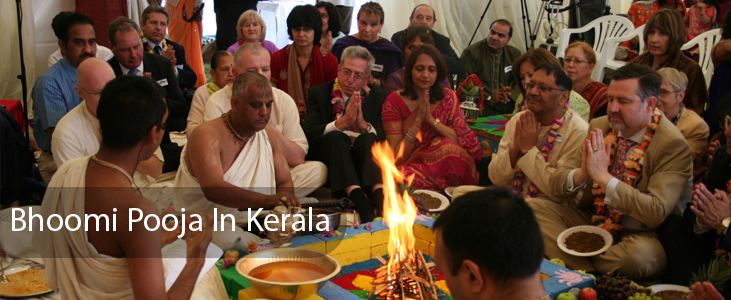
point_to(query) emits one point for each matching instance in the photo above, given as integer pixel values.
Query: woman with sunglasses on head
(414, 37)
(387, 54)
(523, 70)
(579, 64)
(424, 118)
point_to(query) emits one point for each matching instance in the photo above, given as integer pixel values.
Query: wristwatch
(724, 225)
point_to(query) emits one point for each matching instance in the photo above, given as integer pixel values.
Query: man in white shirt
(306, 175)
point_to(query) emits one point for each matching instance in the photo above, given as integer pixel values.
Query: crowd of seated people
(274, 125)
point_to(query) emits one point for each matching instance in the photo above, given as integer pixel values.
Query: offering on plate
(671, 295)
(288, 271)
(427, 201)
(24, 283)
(584, 242)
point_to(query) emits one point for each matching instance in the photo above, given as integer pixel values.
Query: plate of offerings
(431, 200)
(25, 280)
(584, 240)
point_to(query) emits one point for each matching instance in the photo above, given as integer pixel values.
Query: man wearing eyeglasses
(520, 161)
(425, 15)
(78, 133)
(635, 171)
(334, 116)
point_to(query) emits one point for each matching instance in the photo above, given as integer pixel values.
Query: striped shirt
(53, 96)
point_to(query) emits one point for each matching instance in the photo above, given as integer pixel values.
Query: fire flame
(399, 210)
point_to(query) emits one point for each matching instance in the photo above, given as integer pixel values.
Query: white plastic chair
(705, 42)
(606, 58)
(604, 28)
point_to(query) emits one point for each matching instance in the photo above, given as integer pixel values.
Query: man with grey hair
(306, 175)
(130, 58)
(635, 172)
(154, 23)
(424, 14)
(235, 161)
(331, 121)
(691, 125)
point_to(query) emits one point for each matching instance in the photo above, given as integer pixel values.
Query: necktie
(623, 146)
(158, 50)
(132, 72)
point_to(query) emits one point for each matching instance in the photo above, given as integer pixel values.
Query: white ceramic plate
(669, 287)
(445, 201)
(561, 240)
(22, 267)
(449, 191)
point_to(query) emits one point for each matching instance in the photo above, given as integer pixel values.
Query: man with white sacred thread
(235, 161)
(95, 263)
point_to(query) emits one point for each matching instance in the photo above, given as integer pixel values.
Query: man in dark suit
(154, 24)
(424, 15)
(130, 59)
(352, 172)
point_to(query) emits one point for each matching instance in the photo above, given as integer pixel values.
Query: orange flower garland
(605, 216)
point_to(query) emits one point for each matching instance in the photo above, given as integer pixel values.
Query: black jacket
(320, 112)
(442, 44)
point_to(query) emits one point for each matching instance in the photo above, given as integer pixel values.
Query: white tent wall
(455, 18)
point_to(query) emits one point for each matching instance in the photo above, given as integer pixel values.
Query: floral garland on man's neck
(338, 102)
(605, 216)
(148, 48)
(545, 148)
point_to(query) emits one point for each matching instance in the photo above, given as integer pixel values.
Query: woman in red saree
(302, 64)
(424, 118)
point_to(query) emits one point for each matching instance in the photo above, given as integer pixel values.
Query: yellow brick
(431, 250)
(253, 294)
(350, 244)
(380, 250)
(380, 237)
(441, 284)
(422, 246)
(350, 258)
(315, 246)
(424, 233)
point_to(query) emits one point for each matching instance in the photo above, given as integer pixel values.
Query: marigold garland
(149, 49)
(605, 216)
(546, 147)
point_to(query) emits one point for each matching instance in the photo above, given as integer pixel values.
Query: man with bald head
(424, 15)
(78, 133)
(306, 175)
(235, 161)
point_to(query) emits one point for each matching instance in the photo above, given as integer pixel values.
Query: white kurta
(78, 134)
(197, 108)
(307, 177)
(536, 169)
(73, 266)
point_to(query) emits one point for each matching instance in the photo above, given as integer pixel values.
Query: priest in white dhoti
(539, 139)
(235, 161)
(306, 175)
(78, 133)
(95, 262)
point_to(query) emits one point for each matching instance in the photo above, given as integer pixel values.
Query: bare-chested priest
(96, 262)
(235, 161)
(285, 118)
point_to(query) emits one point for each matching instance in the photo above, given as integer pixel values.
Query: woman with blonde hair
(579, 64)
(252, 29)
(690, 124)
